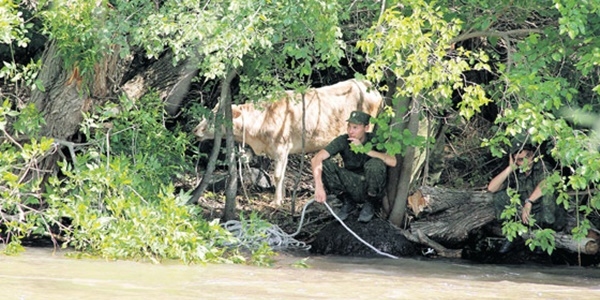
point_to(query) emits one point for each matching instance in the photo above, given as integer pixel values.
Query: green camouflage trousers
(356, 185)
(545, 211)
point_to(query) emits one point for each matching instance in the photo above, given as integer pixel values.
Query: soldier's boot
(367, 212)
(347, 208)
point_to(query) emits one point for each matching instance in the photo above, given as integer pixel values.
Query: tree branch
(502, 34)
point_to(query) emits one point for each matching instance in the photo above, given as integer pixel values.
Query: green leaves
(120, 202)
(12, 25)
(543, 238)
(115, 199)
(416, 44)
(19, 177)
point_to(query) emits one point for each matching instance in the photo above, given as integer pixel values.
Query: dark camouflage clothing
(545, 210)
(360, 175)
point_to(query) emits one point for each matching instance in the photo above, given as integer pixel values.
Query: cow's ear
(236, 112)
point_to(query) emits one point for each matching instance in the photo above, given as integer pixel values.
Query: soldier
(526, 176)
(362, 179)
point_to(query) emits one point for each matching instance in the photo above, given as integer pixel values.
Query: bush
(115, 198)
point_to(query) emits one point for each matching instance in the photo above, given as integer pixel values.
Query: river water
(43, 274)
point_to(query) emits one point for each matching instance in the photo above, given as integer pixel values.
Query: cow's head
(205, 130)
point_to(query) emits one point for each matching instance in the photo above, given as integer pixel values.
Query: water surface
(42, 274)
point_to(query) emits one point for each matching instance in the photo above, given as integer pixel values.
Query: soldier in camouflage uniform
(526, 176)
(362, 178)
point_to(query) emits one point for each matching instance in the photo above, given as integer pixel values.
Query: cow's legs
(280, 166)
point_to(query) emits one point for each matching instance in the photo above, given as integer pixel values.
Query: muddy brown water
(43, 274)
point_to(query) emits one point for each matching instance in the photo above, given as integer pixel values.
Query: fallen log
(565, 241)
(448, 216)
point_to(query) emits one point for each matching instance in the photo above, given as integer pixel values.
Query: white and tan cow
(275, 128)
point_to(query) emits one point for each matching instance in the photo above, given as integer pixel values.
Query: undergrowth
(115, 197)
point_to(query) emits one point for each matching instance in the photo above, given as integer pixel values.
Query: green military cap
(359, 117)
(521, 142)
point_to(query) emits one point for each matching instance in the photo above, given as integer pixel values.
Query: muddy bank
(334, 239)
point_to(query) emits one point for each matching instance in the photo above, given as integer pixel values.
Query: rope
(274, 236)
(356, 235)
(277, 239)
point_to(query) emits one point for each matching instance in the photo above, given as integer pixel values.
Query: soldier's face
(357, 131)
(524, 159)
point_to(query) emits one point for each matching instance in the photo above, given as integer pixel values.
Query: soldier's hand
(526, 211)
(320, 195)
(355, 141)
(511, 160)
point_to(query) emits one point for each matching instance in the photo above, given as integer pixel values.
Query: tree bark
(212, 163)
(171, 81)
(400, 124)
(63, 100)
(231, 192)
(447, 216)
(404, 181)
(67, 95)
(587, 245)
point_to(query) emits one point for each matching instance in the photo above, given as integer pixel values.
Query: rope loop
(250, 237)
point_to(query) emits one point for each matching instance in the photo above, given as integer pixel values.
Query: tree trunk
(63, 100)
(429, 128)
(399, 208)
(449, 215)
(231, 192)
(212, 163)
(399, 125)
(65, 97)
(586, 245)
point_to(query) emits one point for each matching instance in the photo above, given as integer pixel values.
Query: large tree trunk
(67, 95)
(447, 216)
(63, 100)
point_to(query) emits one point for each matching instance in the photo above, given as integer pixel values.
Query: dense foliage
(114, 200)
(114, 195)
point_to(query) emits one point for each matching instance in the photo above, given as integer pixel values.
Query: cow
(275, 128)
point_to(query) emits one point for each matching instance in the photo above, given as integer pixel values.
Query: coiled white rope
(274, 236)
(277, 239)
